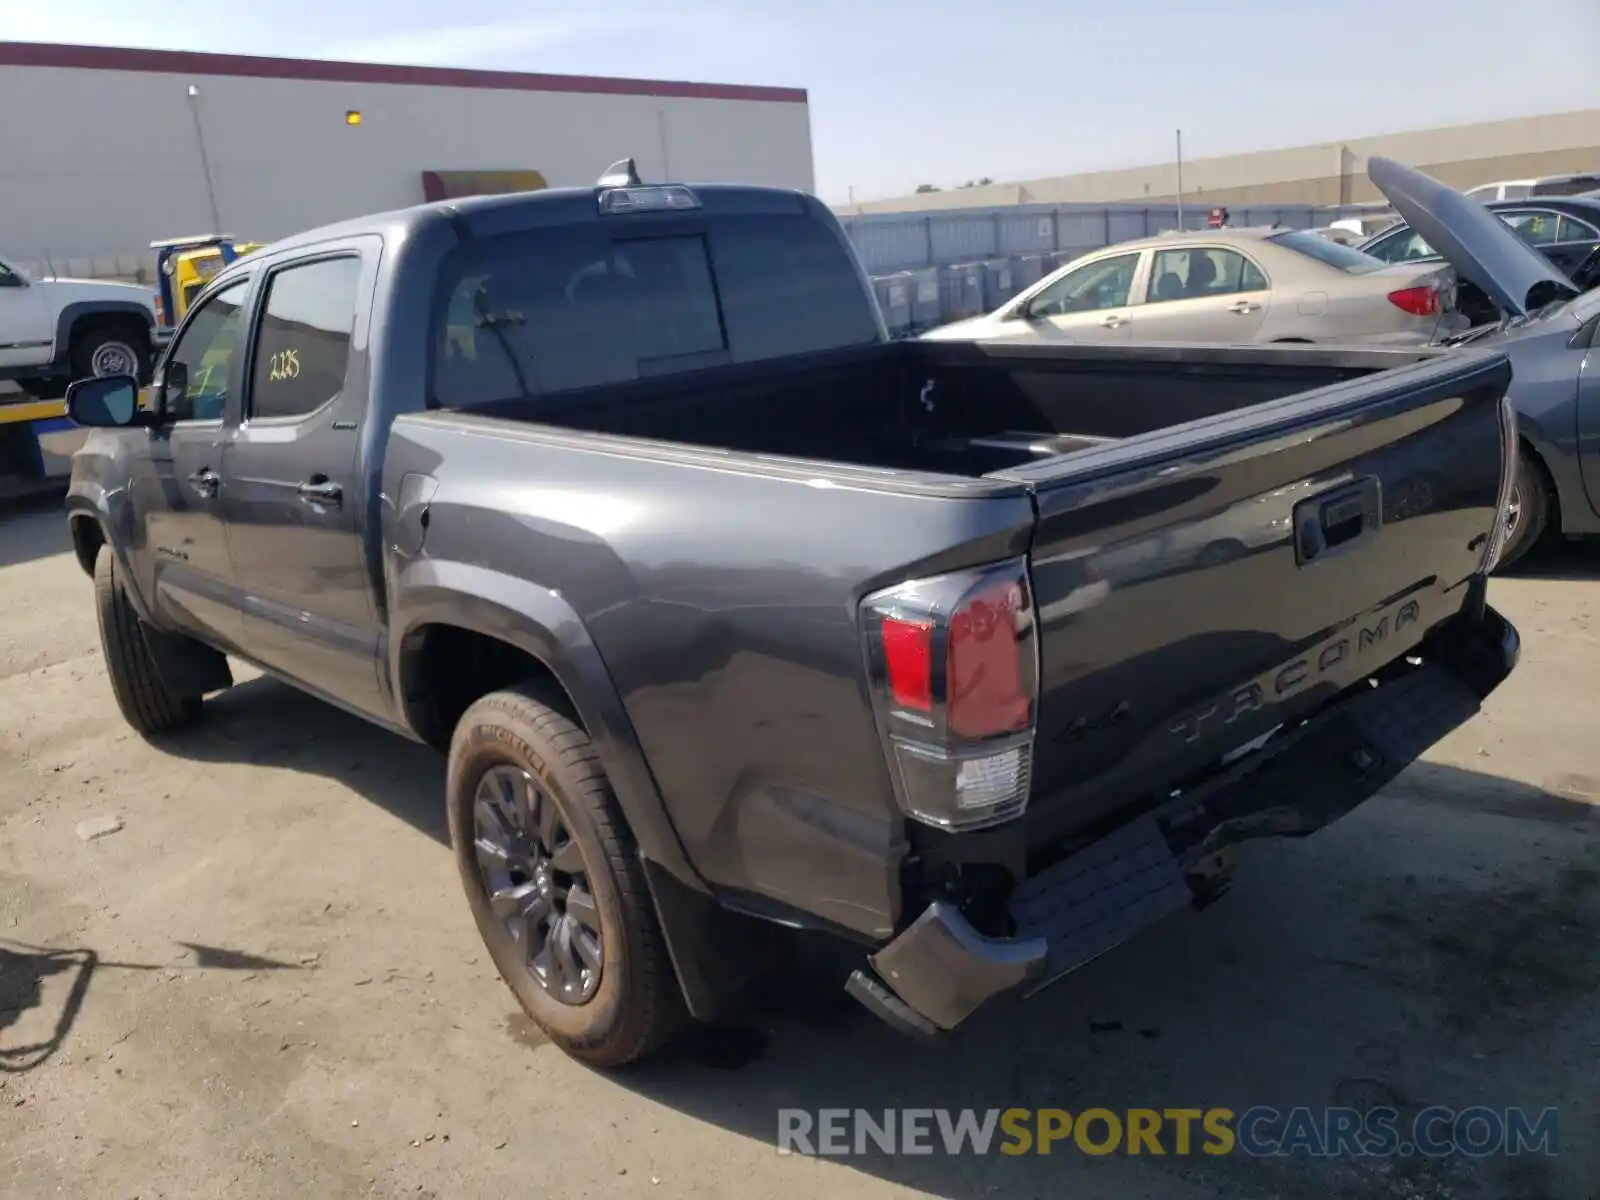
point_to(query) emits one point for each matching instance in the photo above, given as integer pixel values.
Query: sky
(904, 92)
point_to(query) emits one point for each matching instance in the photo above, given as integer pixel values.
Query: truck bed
(1157, 492)
(965, 409)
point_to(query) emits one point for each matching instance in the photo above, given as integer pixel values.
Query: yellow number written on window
(285, 364)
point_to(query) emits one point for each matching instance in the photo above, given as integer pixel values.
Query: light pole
(1180, 179)
(205, 160)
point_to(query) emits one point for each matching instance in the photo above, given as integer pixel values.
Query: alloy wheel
(538, 888)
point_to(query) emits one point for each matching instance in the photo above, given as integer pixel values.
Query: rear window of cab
(556, 309)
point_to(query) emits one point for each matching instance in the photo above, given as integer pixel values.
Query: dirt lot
(265, 983)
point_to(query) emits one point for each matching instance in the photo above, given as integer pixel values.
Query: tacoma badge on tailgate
(1357, 639)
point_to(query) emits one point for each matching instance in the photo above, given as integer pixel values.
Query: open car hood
(1478, 244)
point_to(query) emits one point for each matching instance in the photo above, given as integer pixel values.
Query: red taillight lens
(908, 662)
(987, 694)
(953, 662)
(1418, 301)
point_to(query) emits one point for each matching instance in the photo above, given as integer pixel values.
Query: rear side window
(557, 309)
(1342, 258)
(303, 348)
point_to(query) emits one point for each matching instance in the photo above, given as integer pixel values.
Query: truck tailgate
(1199, 587)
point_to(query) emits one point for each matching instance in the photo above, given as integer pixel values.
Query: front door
(1090, 303)
(26, 330)
(1203, 294)
(178, 486)
(297, 502)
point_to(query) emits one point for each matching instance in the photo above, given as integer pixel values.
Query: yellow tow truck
(184, 265)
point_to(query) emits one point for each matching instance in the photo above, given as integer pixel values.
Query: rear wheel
(555, 883)
(147, 702)
(1528, 512)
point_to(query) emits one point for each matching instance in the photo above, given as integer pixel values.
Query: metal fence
(910, 241)
(931, 268)
(125, 266)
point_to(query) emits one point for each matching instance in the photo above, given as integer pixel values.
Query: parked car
(1341, 233)
(53, 330)
(1566, 230)
(1502, 189)
(1575, 184)
(734, 616)
(1547, 185)
(1226, 285)
(1547, 321)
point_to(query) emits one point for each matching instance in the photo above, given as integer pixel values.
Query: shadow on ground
(1425, 951)
(1554, 559)
(25, 970)
(32, 527)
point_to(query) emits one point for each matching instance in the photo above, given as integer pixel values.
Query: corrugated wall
(1327, 173)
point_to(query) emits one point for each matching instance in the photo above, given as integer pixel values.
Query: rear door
(296, 500)
(1249, 566)
(1203, 294)
(1092, 302)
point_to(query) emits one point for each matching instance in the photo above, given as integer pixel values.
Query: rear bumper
(940, 970)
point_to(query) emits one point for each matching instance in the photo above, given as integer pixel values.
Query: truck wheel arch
(88, 536)
(510, 629)
(80, 315)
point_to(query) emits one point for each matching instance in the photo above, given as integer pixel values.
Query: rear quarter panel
(721, 593)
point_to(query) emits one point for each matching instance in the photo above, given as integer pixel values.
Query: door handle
(320, 490)
(1242, 306)
(205, 481)
(1114, 322)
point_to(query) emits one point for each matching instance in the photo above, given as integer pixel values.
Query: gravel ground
(258, 978)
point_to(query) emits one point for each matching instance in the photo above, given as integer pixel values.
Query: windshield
(552, 310)
(1343, 258)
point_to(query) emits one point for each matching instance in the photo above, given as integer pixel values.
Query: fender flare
(90, 501)
(76, 311)
(543, 625)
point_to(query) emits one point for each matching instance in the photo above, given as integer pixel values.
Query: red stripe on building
(185, 62)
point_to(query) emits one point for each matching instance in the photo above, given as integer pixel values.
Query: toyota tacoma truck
(735, 617)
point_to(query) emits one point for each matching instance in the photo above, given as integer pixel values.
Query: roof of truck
(582, 202)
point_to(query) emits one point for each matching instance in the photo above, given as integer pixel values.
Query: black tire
(637, 1006)
(147, 703)
(95, 346)
(1531, 500)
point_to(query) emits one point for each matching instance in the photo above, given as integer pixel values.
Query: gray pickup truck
(736, 617)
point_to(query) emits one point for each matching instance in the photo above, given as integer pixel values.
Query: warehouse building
(103, 150)
(1327, 173)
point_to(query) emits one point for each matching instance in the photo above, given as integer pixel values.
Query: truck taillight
(953, 662)
(1418, 301)
(1500, 533)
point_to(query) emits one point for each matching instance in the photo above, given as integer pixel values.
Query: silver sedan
(1227, 285)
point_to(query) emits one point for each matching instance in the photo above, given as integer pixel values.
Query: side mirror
(10, 279)
(105, 402)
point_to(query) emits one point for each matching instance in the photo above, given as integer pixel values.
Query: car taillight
(953, 663)
(1501, 532)
(1418, 301)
